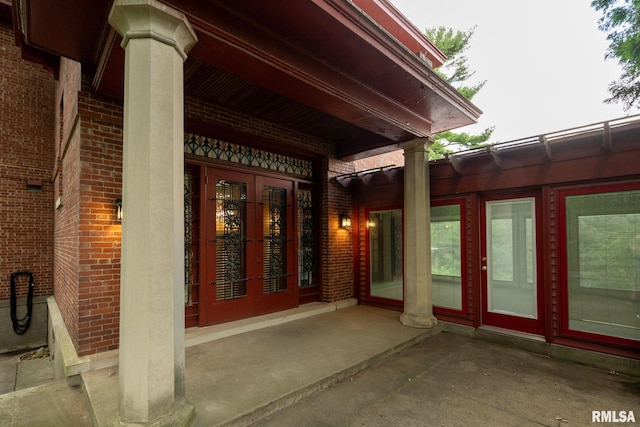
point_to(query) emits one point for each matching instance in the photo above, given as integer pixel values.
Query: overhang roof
(596, 151)
(353, 72)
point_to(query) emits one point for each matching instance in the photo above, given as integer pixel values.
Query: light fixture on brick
(345, 221)
(119, 209)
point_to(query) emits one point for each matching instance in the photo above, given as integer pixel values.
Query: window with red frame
(447, 256)
(601, 289)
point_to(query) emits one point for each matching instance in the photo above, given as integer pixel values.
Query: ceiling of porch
(323, 67)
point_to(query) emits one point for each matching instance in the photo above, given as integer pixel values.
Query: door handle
(484, 268)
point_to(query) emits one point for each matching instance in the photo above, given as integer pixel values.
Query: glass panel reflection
(385, 254)
(603, 259)
(446, 256)
(511, 269)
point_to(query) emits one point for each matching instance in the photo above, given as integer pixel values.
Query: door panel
(275, 255)
(511, 295)
(229, 222)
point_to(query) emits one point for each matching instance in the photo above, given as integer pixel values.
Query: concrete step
(51, 404)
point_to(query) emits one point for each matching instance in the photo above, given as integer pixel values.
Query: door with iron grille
(248, 252)
(275, 253)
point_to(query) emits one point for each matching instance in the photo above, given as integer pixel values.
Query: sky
(543, 62)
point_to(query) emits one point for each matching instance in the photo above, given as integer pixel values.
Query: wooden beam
(495, 155)
(455, 162)
(546, 148)
(606, 138)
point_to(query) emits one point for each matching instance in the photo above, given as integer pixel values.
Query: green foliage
(621, 22)
(456, 72)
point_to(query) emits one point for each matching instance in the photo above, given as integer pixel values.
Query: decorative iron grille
(305, 242)
(188, 239)
(274, 239)
(216, 149)
(231, 201)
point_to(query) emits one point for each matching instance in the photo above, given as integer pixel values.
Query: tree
(621, 20)
(456, 72)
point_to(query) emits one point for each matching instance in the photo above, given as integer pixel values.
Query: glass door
(250, 263)
(385, 254)
(511, 295)
(276, 261)
(229, 247)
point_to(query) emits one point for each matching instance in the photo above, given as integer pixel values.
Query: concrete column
(418, 299)
(156, 39)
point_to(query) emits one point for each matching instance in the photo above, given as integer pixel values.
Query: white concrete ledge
(66, 362)
(197, 336)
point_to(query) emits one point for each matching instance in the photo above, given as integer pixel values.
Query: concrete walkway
(30, 397)
(239, 379)
(374, 371)
(453, 380)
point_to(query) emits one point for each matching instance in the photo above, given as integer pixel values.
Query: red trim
(392, 20)
(548, 249)
(594, 340)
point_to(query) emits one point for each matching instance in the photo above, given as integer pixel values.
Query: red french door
(276, 259)
(510, 263)
(249, 256)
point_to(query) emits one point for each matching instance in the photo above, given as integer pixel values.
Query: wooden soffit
(328, 59)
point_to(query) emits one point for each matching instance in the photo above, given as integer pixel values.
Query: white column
(418, 300)
(152, 359)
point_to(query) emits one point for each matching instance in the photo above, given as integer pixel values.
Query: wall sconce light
(119, 209)
(345, 221)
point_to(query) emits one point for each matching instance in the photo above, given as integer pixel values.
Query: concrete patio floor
(369, 368)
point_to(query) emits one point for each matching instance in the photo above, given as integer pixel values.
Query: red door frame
(254, 303)
(533, 326)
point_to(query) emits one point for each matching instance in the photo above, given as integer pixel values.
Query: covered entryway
(249, 263)
(275, 78)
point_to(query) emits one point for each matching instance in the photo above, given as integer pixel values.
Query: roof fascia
(405, 31)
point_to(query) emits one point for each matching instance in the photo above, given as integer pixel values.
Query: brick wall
(67, 196)
(99, 229)
(26, 137)
(337, 249)
(88, 180)
(392, 158)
